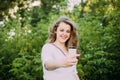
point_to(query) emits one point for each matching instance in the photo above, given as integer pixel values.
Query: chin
(63, 41)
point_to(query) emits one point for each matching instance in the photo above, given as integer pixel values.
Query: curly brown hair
(73, 40)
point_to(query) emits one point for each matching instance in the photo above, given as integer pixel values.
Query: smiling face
(63, 32)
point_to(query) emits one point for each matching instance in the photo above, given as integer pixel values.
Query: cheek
(58, 34)
(69, 35)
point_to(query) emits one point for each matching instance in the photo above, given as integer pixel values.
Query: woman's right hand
(70, 61)
(66, 62)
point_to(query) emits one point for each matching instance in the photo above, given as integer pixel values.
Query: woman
(57, 63)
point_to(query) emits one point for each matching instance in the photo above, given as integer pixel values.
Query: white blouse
(52, 52)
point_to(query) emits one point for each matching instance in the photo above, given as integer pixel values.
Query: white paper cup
(72, 51)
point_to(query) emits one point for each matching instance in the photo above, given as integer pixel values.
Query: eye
(61, 30)
(68, 31)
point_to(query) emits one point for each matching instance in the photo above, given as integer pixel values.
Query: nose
(65, 33)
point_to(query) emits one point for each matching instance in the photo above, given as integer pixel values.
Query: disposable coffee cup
(72, 51)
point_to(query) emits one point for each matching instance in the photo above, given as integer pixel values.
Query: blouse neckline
(58, 48)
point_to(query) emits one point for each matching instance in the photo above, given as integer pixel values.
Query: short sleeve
(46, 53)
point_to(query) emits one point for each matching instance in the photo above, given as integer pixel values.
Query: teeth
(63, 37)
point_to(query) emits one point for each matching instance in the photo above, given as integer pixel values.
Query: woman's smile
(63, 32)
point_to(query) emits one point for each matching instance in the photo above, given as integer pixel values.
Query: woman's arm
(66, 62)
(52, 64)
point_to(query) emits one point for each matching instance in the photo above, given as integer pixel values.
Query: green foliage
(99, 45)
(20, 51)
(22, 38)
(99, 50)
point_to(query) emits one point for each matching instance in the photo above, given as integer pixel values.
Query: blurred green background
(24, 28)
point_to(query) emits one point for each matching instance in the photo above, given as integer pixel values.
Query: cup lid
(72, 47)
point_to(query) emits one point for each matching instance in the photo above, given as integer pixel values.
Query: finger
(74, 60)
(77, 55)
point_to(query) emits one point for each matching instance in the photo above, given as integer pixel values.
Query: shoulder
(47, 46)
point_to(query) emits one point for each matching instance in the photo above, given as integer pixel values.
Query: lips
(64, 37)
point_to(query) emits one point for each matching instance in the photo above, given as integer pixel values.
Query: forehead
(64, 25)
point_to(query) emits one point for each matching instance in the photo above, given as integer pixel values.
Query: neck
(60, 44)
